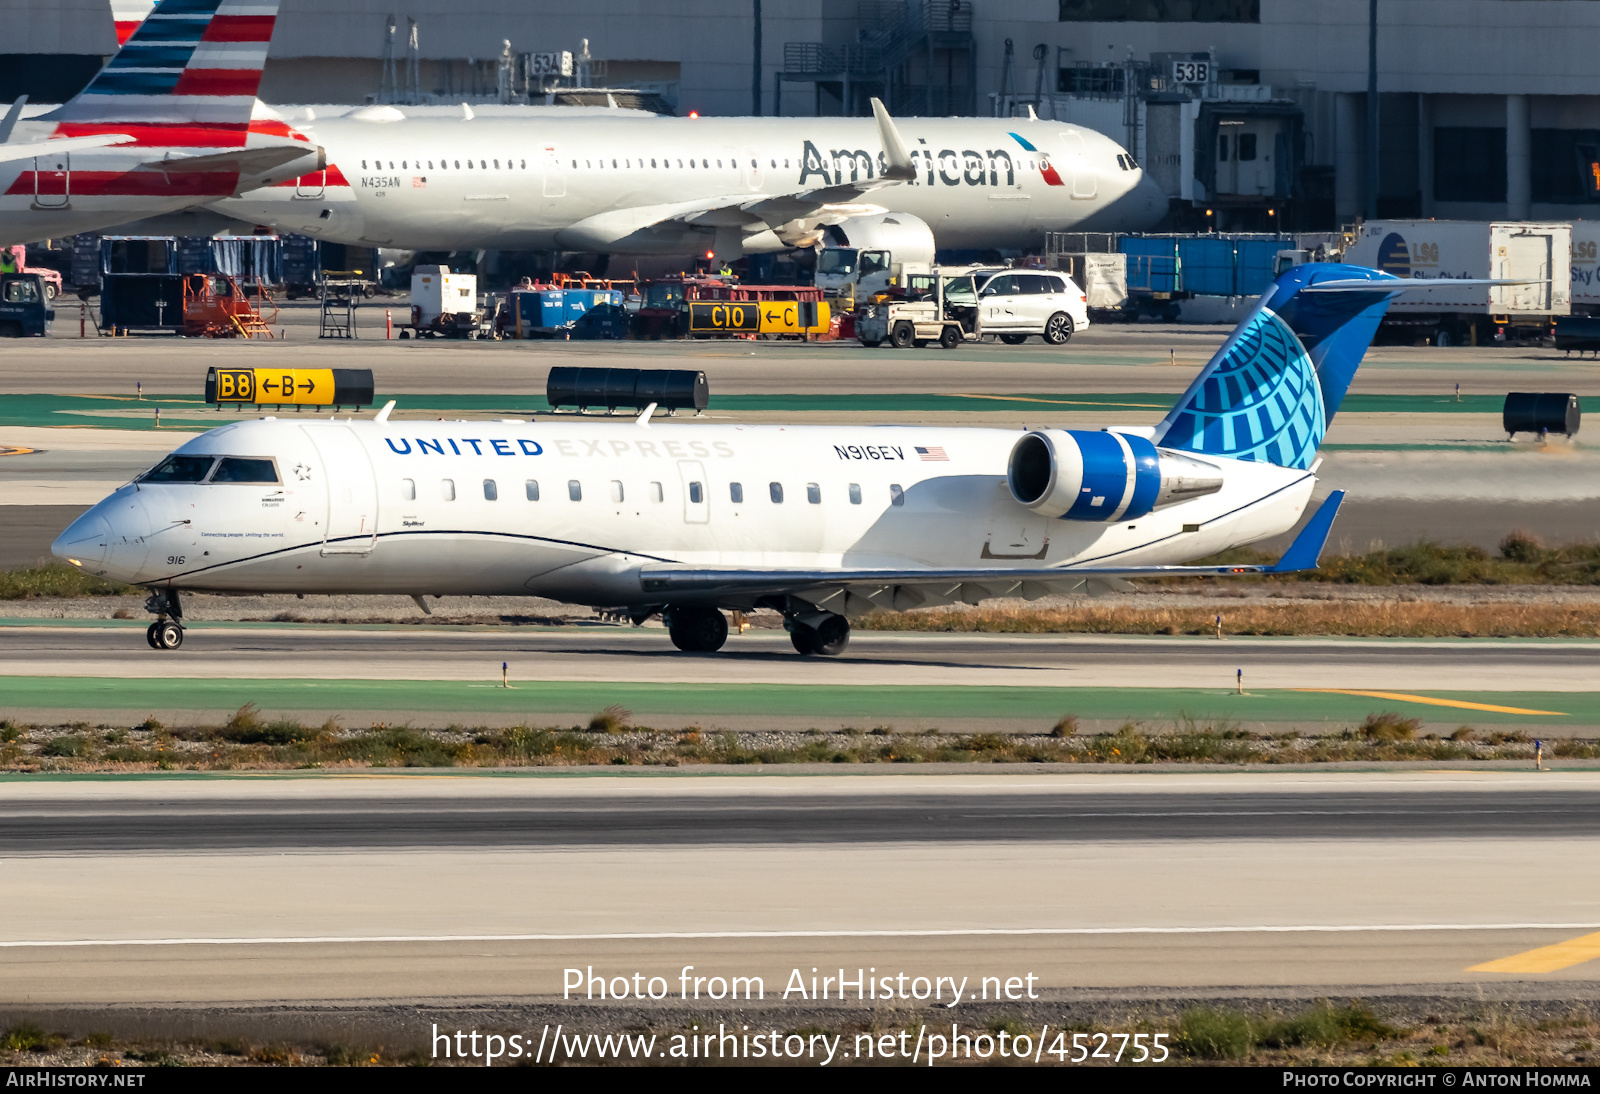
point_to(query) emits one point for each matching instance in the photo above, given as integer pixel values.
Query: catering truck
(866, 254)
(1538, 255)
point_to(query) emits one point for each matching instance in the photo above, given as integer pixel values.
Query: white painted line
(691, 936)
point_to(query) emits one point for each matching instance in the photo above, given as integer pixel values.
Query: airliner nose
(86, 540)
(1148, 203)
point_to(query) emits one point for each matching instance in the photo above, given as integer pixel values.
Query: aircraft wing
(855, 592)
(10, 153)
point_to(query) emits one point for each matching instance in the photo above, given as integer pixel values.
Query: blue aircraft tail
(1269, 393)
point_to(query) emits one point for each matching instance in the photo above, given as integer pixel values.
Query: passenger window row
(623, 164)
(654, 492)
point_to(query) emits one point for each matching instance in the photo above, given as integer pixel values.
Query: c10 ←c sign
(336, 387)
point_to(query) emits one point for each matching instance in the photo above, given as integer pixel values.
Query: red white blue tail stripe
(190, 61)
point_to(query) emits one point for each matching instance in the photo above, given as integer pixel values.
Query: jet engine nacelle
(1079, 474)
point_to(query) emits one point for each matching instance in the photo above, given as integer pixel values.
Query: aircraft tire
(903, 335)
(873, 343)
(803, 638)
(830, 639)
(833, 636)
(168, 635)
(1058, 329)
(698, 629)
(150, 636)
(950, 338)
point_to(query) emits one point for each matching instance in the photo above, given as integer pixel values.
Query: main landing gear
(829, 638)
(165, 633)
(697, 629)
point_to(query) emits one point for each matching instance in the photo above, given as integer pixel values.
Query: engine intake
(1079, 474)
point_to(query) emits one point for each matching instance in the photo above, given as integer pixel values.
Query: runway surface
(424, 888)
(626, 654)
(913, 682)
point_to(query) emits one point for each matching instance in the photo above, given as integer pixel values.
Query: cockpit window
(180, 469)
(238, 469)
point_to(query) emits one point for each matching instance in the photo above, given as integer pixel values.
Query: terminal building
(1252, 114)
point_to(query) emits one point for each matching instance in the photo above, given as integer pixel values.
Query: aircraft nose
(1149, 202)
(85, 541)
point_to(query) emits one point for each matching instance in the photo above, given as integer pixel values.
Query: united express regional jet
(820, 523)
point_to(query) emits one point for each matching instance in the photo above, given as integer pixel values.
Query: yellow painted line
(1563, 955)
(1059, 402)
(4, 451)
(1462, 704)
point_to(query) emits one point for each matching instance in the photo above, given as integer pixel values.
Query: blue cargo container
(1253, 267)
(1152, 263)
(545, 312)
(1206, 264)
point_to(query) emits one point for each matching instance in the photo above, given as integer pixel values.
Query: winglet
(897, 161)
(383, 416)
(1306, 549)
(9, 122)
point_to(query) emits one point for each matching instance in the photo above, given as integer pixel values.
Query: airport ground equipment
(668, 389)
(218, 306)
(866, 255)
(340, 297)
(24, 306)
(953, 305)
(19, 264)
(552, 312)
(1585, 267)
(1540, 413)
(313, 387)
(1536, 254)
(1578, 332)
(443, 304)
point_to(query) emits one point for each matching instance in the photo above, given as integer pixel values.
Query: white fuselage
(643, 185)
(403, 507)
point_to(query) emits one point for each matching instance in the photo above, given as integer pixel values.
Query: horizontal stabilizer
(1306, 550)
(10, 153)
(1416, 284)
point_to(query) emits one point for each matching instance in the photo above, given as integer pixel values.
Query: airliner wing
(855, 592)
(244, 160)
(10, 153)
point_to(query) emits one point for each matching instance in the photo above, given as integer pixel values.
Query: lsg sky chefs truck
(1540, 253)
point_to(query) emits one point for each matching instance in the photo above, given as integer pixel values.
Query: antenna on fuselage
(644, 416)
(383, 415)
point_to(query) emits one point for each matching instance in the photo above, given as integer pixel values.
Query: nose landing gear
(164, 633)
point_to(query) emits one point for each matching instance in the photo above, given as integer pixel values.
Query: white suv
(1016, 303)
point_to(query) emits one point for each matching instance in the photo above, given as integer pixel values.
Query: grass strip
(252, 741)
(869, 703)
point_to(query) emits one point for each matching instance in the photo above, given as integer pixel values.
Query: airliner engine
(1083, 475)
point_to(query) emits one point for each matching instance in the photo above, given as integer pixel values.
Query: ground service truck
(1538, 254)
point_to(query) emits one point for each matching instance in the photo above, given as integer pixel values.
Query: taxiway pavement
(427, 888)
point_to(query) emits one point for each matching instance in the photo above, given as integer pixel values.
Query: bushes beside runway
(247, 742)
(1351, 618)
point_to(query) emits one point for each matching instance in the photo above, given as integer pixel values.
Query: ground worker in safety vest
(8, 261)
(726, 271)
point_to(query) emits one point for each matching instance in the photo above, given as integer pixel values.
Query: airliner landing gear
(164, 633)
(828, 638)
(697, 629)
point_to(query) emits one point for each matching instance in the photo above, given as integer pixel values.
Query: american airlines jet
(166, 125)
(821, 523)
(652, 185)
